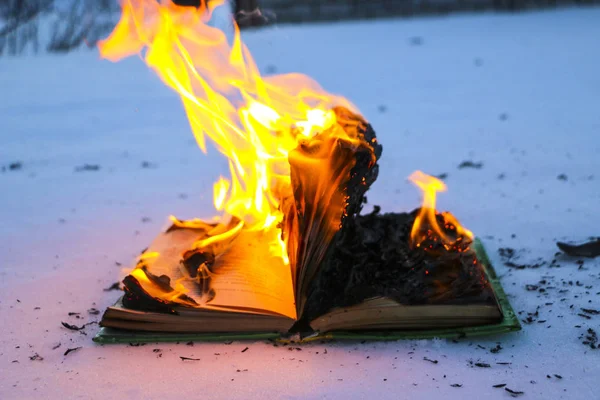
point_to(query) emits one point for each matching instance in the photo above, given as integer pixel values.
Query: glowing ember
(426, 224)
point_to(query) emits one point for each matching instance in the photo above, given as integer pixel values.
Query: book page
(384, 313)
(245, 277)
(248, 276)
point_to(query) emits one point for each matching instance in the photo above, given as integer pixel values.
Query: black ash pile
(373, 257)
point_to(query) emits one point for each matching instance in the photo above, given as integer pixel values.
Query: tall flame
(427, 214)
(254, 122)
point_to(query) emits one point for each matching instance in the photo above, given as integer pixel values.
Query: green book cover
(508, 323)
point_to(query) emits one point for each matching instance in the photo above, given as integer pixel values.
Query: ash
(372, 256)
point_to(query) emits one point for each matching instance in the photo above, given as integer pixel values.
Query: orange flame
(426, 219)
(254, 122)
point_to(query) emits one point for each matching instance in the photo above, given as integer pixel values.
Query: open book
(245, 297)
(340, 272)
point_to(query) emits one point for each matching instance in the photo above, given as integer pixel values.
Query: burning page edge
(237, 281)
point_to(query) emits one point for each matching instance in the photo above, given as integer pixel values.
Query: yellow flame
(154, 291)
(148, 255)
(430, 186)
(254, 122)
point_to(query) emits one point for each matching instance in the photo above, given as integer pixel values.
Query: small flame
(174, 295)
(426, 221)
(254, 122)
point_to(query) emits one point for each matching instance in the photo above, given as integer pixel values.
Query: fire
(254, 122)
(426, 221)
(266, 127)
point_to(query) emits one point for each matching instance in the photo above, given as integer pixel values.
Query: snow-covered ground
(520, 93)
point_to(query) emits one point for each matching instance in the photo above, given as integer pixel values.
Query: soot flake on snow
(496, 349)
(75, 327)
(245, 349)
(589, 249)
(470, 164)
(532, 316)
(71, 350)
(514, 393)
(36, 357)
(590, 338)
(482, 365)
(148, 164)
(507, 253)
(509, 256)
(500, 385)
(590, 311)
(511, 264)
(114, 286)
(188, 359)
(72, 327)
(56, 346)
(456, 385)
(93, 311)
(15, 166)
(430, 360)
(562, 177)
(87, 167)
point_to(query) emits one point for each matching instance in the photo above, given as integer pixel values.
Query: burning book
(291, 251)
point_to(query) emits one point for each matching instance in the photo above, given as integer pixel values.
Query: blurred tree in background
(246, 12)
(64, 25)
(82, 22)
(19, 26)
(67, 24)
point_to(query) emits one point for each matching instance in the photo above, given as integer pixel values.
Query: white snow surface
(62, 232)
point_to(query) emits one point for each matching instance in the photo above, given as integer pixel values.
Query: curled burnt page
(330, 173)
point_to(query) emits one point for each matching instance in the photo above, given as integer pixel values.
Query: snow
(63, 232)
